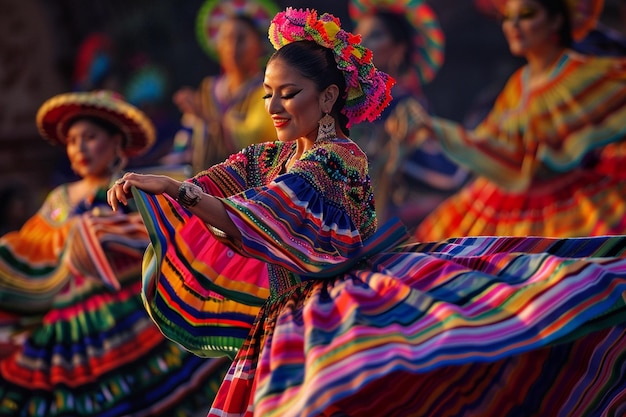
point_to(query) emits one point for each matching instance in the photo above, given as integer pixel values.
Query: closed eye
(291, 95)
(284, 97)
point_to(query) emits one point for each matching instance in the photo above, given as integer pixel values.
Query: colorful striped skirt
(467, 327)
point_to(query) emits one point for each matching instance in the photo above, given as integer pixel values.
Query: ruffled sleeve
(200, 292)
(30, 271)
(56, 244)
(312, 218)
(553, 127)
(318, 219)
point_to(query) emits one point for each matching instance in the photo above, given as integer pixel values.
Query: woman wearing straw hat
(549, 156)
(77, 340)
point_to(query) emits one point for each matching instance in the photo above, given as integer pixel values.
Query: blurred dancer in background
(411, 175)
(226, 113)
(549, 155)
(76, 338)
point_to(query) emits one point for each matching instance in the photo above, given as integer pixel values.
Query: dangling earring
(326, 128)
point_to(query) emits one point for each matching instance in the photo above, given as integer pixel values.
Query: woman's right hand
(120, 192)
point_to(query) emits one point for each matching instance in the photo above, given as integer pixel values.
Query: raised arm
(208, 208)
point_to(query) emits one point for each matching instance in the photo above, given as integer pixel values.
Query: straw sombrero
(430, 41)
(55, 113)
(214, 12)
(584, 15)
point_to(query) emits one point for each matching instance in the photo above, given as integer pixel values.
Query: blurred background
(44, 45)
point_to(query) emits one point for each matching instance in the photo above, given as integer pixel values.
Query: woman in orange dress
(548, 158)
(77, 339)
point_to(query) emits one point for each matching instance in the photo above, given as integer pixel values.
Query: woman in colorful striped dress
(77, 339)
(549, 156)
(357, 323)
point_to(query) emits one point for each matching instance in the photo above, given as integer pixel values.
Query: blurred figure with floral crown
(410, 172)
(548, 157)
(74, 334)
(226, 112)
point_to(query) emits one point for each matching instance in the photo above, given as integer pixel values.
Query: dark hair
(109, 127)
(402, 32)
(555, 8)
(318, 64)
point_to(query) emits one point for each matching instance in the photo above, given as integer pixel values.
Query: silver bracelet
(189, 194)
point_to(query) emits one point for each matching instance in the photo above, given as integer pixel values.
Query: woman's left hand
(120, 192)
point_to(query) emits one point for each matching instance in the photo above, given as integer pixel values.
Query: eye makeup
(527, 13)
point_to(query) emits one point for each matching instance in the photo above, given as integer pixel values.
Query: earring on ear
(326, 128)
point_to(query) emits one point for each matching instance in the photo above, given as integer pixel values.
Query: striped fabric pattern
(204, 294)
(549, 160)
(89, 347)
(200, 293)
(31, 278)
(477, 327)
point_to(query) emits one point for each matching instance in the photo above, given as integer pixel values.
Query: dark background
(39, 41)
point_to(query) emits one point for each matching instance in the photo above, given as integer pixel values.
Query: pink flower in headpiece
(368, 90)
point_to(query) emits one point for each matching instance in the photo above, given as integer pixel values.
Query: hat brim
(428, 55)
(54, 116)
(214, 12)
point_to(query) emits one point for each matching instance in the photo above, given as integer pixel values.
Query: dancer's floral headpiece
(368, 89)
